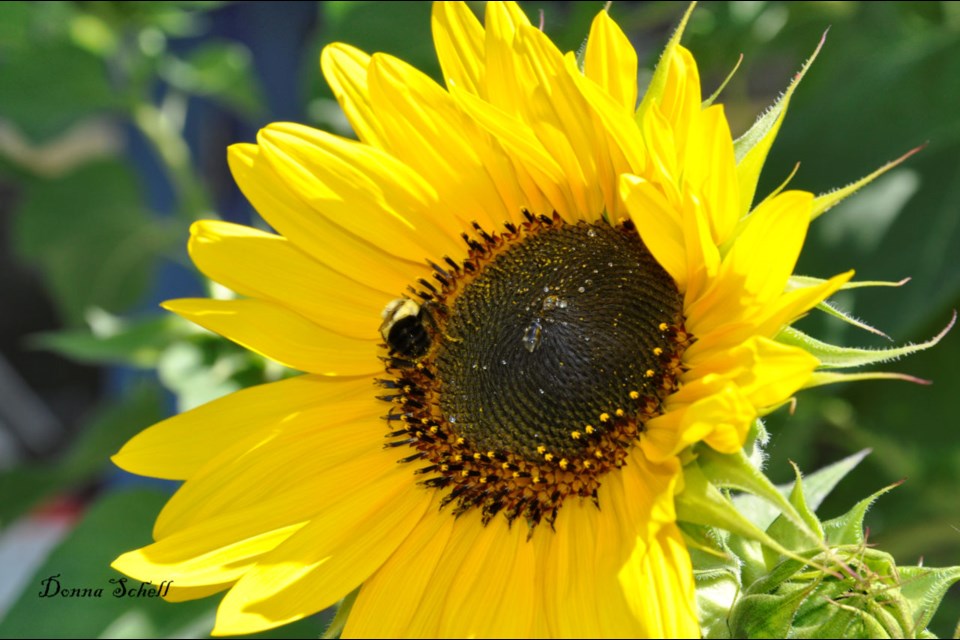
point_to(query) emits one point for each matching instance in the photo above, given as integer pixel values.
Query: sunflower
(518, 299)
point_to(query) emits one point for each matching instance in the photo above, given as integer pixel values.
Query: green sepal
(735, 471)
(701, 503)
(716, 94)
(750, 554)
(826, 201)
(830, 617)
(786, 532)
(340, 617)
(659, 80)
(752, 147)
(717, 577)
(766, 616)
(923, 588)
(821, 378)
(770, 196)
(834, 357)
(816, 488)
(716, 593)
(854, 595)
(818, 485)
(798, 282)
(834, 586)
(843, 316)
(781, 573)
(848, 528)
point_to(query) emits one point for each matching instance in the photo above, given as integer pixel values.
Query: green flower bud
(850, 592)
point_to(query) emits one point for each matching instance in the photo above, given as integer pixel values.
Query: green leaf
(90, 236)
(49, 84)
(102, 436)
(138, 343)
(207, 367)
(339, 620)
(15, 26)
(222, 70)
(116, 523)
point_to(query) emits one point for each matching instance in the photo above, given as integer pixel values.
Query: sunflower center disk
(528, 370)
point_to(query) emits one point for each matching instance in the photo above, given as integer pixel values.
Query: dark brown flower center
(526, 372)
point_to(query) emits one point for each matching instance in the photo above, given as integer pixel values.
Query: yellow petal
(721, 419)
(756, 269)
(541, 178)
(362, 189)
(766, 372)
(793, 304)
(668, 74)
(681, 101)
(428, 612)
(711, 171)
(271, 471)
(505, 76)
(662, 165)
(325, 560)
(281, 335)
(619, 144)
(661, 587)
(392, 596)
(215, 554)
(427, 131)
(593, 573)
(611, 61)
(570, 577)
(459, 40)
(703, 256)
(325, 241)
(160, 452)
(559, 116)
(345, 69)
(183, 594)
(496, 569)
(658, 225)
(269, 267)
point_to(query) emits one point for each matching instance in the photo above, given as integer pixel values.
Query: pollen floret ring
(540, 357)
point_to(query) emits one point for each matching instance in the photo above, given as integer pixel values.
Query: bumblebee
(404, 328)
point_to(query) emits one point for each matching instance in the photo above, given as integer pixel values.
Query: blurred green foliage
(78, 79)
